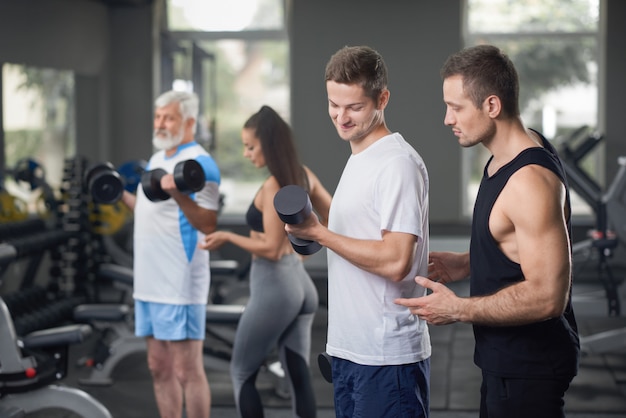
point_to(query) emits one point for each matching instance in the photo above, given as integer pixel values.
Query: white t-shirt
(168, 265)
(384, 187)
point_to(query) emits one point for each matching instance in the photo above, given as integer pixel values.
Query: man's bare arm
(391, 257)
(540, 244)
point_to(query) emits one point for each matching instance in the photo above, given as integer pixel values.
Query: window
(38, 123)
(553, 44)
(236, 63)
(218, 15)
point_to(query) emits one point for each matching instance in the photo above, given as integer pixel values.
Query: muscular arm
(531, 231)
(528, 221)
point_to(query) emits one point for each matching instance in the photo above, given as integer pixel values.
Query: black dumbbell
(188, 177)
(104, 183)
(293, 206)
(325, 363)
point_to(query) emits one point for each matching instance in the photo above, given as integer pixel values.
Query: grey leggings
(283, 302)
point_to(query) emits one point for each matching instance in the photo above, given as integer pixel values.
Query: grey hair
(189, 103)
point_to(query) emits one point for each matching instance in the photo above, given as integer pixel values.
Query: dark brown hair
(358, 65)
(486, 71)
(278, 147)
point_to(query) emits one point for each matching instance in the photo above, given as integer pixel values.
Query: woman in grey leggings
(283, 299)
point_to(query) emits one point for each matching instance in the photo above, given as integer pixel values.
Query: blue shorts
(381, 391)
(170, 322)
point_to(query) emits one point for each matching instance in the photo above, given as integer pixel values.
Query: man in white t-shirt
(377, 240)
(171, 274)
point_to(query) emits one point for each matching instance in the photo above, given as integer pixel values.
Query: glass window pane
(513, 16)
(220, 15)
(38, 117)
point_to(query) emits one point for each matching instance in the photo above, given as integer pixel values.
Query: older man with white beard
(172, 276)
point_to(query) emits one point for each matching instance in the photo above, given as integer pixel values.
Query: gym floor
(599, 390)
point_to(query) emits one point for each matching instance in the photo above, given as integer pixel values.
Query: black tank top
(254, 218)
(545, 349)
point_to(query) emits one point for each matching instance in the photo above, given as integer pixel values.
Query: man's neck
(510, 140)
(360, 145)
(172, 151)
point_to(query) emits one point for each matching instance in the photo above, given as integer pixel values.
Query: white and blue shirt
(168, 265)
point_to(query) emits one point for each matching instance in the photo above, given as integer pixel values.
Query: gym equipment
(610, 211)
(104, 183)
(131, 172)
(11, 412)
(325, 363)
(34, 246)
(188, 176)
(293, 206)
(28, 193)
(602, 241)
(12, 229)
(615, 201)
(12, 209)
(29, 171)
(27, 382)
(108, 219)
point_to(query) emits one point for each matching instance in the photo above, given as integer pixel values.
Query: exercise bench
(28, 382)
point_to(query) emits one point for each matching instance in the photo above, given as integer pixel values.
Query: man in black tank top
(519, 260)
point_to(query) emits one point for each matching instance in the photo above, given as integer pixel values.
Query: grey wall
(110, 51)
(414, 37)
(41, 33)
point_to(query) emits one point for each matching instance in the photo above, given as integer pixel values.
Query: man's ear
(383, 99)
(493, 106)
(190, 122)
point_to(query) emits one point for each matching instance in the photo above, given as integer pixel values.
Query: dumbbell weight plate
(325, 363)
(104, 183)
(151, 184)
(189, 176)
(304, 246)
(292, 204)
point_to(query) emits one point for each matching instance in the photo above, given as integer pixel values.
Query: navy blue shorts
(400, 391)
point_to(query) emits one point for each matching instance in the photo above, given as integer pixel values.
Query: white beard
(164, 140)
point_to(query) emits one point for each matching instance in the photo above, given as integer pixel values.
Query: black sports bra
(254, 218)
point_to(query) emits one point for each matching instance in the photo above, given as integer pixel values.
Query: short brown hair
(486, 70)
(360, 65)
